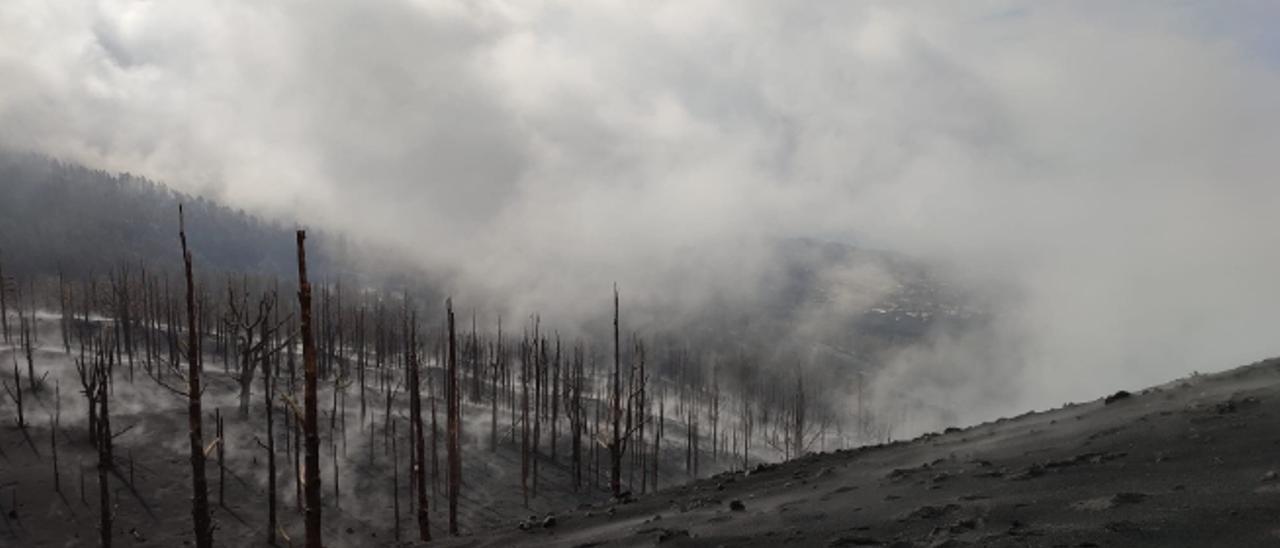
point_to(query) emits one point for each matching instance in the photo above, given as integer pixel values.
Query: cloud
(1112, 163)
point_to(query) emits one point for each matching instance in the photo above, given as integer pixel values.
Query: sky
(1113, 163)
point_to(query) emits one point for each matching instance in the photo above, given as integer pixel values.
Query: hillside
(1188, 463)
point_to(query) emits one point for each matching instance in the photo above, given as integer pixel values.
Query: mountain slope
(1189, 463)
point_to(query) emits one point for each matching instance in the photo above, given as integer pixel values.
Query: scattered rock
(1121, 527)
(1128, 498)
(1033, 471)
(928, 512)
(1107, 503)
(671, 534)
(854, 540)
(1085, 458)
(1123, 394)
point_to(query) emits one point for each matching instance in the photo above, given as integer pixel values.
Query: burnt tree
(199, 487)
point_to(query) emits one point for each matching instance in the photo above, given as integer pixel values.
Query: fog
(1110, 165)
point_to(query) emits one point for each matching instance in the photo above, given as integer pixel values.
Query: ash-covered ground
(1190, 463)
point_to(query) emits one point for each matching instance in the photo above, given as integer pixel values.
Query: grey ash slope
(1189, 463)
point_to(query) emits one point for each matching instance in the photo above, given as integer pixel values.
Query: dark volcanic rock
(1123, 394)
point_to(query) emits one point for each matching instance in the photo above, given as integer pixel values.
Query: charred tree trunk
(221, 440)
(311, 486)
(395, 481)
(16, 394)
(268, 395)
(454, 425)
(615, 403)
(199, 487)
(524, 420)
(103, 372)
(415, 417)
(4, 303)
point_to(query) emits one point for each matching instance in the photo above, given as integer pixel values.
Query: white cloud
(1113, 161)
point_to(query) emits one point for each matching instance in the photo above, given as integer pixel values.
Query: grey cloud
(1111, 163)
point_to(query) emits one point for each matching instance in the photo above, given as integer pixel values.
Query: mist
(1108, 168)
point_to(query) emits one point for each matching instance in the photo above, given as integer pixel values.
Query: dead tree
(615, 406)
(4, 303)
(555, 397)
(310, 427)
(524, 419)
(575, 416)
(252, 333)
(454, 426)
(199, 487)
(16, 393)
(54, 422)
(435, 437)
(415, 418)
(269, 374)
(102, 374)
(28, 348)
(221, 441)
(269, 405)
(496, 352)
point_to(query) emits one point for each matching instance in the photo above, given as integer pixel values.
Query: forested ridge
(56, 215)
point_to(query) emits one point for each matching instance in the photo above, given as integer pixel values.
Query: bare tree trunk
(395, 480)
(4, 303)
(497, 363)
(28, 349)
(222, 468)
(555, 397)
(53, 435)
(310, 419)
(454, 425)
(615, 447)
(576, 417)
(524, 420)
(16, 393)
(268, 396)
(415, 416)
(199, 487)
(103, 371)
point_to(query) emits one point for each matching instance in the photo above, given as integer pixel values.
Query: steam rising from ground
(1111, 165)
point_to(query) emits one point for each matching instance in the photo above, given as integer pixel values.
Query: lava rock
(1123, 394)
